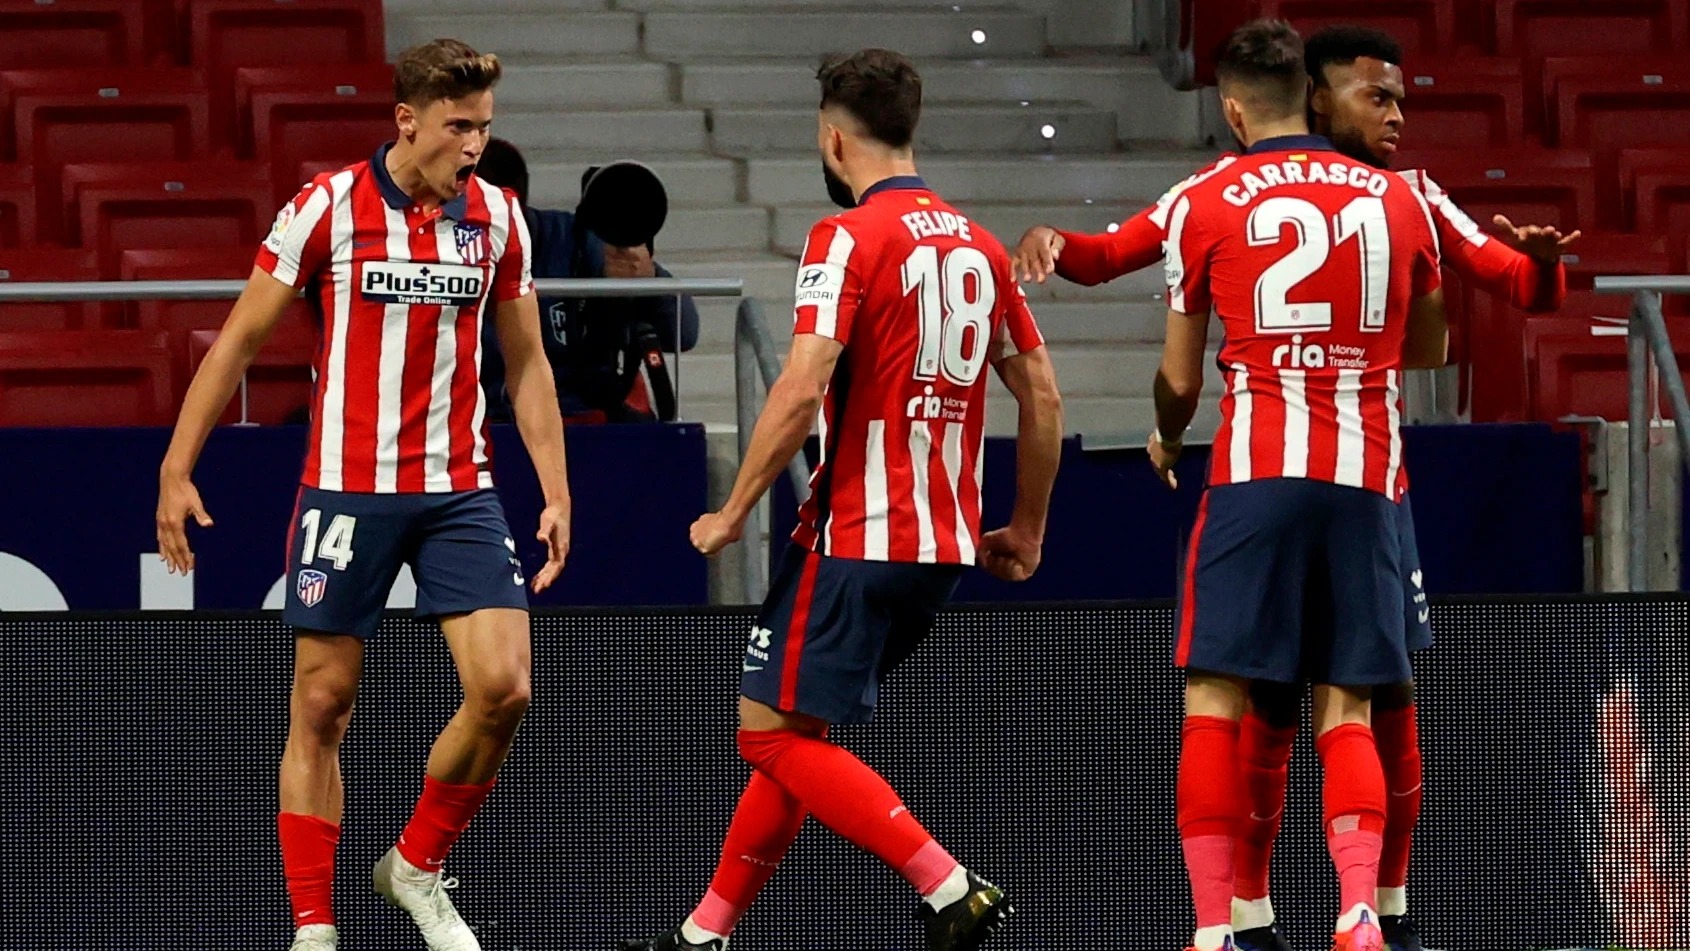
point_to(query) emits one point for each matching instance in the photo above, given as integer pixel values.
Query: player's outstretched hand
(554, 531)
(178, 499)
(713, 532)
(1034, 259)
(1162, 459)
(1543, 243)
(1010, 554)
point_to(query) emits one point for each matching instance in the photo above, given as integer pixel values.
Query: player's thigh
(493, 651)
(344, 551)
(326, 671)
(1364, 592)
(818, 640)
(464, 557)
(1240, 607)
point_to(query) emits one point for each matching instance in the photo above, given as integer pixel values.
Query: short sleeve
(513, 277)
(1019, 332)
(829, 283)
(1427, 273)
(1186, 261)
(298, 244)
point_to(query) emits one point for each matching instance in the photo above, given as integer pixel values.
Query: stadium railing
(231, 289)
(756, 366)
(1649, 358)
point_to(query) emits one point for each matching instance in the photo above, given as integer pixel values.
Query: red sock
(845, 795)
(308, 845)
(1354, 801)
(765, 823)
(443, 813)
(1264, 757)
(1209, 804)
(1398, 736)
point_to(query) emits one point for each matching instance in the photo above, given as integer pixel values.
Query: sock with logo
(1208, 804)
(443, 813)
(1398, 736)
(764, 826)
(308, 846)
(851, 799)
(1264, 759)
(1353, 800)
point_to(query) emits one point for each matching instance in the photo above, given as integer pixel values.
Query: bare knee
(501, 701)
(322, 705)
(1335, 706)
(1215, 695)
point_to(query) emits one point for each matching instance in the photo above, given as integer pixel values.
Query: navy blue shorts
(345, 550)
(831, 628)
(1417, 613)
(1295, 580)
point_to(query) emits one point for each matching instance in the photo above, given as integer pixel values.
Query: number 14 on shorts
(336, 541)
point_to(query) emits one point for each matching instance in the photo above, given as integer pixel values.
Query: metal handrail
(231, 289)
(1647, 339)
(756, 367)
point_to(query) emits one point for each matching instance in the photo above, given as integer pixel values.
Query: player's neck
(1273, 130)
(402, 168)
(875, 172)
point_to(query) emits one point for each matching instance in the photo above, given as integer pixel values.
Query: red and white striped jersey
(922, 298)
(398, 405)
(1311, 262)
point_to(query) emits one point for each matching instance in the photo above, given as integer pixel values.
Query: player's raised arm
(528, 378)
(1013, 552)
(1520, 264)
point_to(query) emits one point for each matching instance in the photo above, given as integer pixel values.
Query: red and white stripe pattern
(399, 405)
(1280, 423)
(900, 474)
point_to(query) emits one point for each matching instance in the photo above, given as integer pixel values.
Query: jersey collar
(1292, 143)
(395, 196)
(895, 183)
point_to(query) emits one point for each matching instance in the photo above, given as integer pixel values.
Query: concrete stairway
(719, 97)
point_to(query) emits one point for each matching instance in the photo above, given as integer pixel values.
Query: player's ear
(1234, 114)
(1320, 100)
(405, 117)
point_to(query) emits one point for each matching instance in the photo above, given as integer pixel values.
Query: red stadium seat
(168, 205)
(224, 35)
(1636, 164)
(17, 206)
(88, 33)
(334, 115)
(278, 385)
(1539, 28)
(180, 318)
(1421, 26)
(1496, 339)
(1601, 253)
(1576, 372)
(65, 116)
(1632, 107)
(1530, 186)
(1472, 102)
(50, 264)
(84, 378)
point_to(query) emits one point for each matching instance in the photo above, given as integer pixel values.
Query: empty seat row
(218, 35)
(1517, 28)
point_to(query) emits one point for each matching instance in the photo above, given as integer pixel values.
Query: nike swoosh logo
(747, 668)
(1410, 792)
(1256, 818)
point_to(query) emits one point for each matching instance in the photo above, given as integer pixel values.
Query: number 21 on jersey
(1362, 219)
(947, 311)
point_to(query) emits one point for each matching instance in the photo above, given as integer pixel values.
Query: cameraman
(596, 346)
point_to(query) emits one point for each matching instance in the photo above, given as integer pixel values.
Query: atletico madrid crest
(472, 242)
(311, 586)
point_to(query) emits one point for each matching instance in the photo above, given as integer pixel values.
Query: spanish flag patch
(1300, 157)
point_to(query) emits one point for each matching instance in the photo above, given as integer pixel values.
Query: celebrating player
(1325, 277)
(1356, 101)
(901, 302)
(399, 254)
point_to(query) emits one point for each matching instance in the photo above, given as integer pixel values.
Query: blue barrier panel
(1497, 507)
(81, 505)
